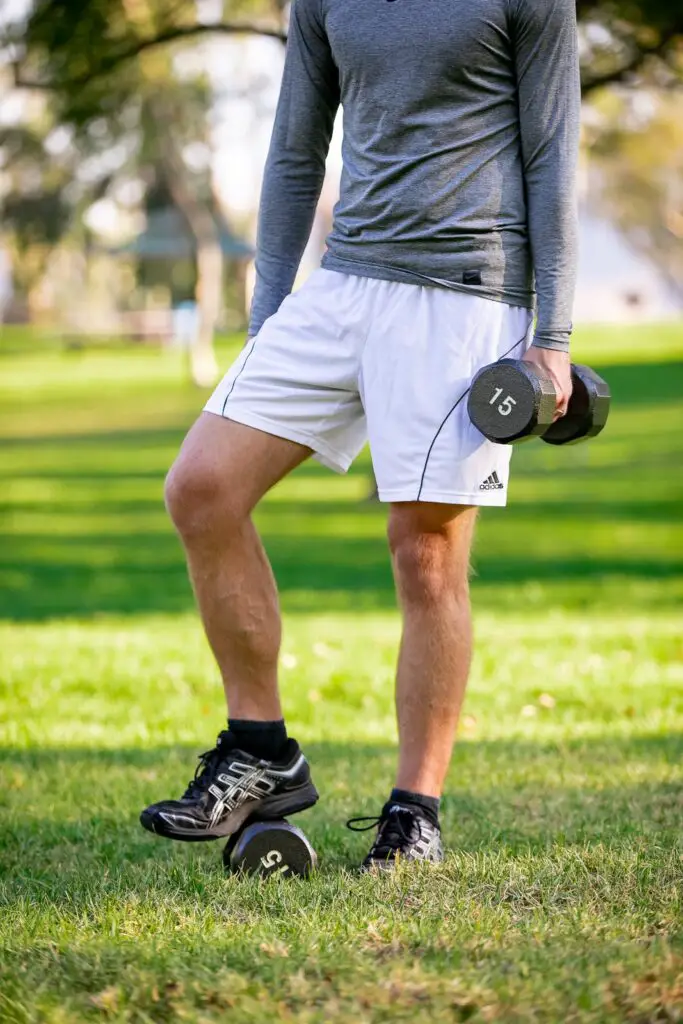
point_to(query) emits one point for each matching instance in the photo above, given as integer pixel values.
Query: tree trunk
(209, 290)
(203, 365)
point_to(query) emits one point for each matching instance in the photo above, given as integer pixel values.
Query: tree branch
(620, 74)
(187, 31)
(176, 33)
(170, 35)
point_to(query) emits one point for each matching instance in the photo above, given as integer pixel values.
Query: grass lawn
(561, 897)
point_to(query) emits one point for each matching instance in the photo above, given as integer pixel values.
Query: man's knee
(200, 498)
(431, 555)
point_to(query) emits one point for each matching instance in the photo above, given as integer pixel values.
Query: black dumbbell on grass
(268, 848)
(511, 401)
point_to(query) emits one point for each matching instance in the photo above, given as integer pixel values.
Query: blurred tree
(56, 168)
(139, 119)
(621, 37)
(43, 199)
(636, 145)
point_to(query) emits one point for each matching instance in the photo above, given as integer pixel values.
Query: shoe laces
(206, 767)
(398, 828)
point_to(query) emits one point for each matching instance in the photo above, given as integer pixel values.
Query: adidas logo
(492, 483)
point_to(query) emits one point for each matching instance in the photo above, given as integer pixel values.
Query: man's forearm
(288, 203)
(295, 169)
(554, 240)
(550, 112)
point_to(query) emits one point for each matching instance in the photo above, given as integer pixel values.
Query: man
(459, 158)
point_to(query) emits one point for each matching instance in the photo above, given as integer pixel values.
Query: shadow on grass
(644, 383)
(145, 573)
(58, 560)
(357, 758)
(508, 797)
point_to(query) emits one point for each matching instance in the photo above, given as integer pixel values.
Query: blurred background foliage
(639, 149)
(118, 111)
(77, 47)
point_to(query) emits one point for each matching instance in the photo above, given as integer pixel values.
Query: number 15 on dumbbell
(510, 401)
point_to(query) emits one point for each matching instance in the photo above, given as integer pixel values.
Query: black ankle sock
(260, 739)
(429, 805)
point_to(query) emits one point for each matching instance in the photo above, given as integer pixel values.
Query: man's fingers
(562, 405)
(564, 393)
(556, 367)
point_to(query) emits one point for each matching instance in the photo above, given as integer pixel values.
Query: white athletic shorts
(348, 359)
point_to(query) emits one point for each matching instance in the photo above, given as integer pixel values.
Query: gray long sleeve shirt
(460, 144)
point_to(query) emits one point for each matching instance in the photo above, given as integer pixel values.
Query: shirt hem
(362, 268)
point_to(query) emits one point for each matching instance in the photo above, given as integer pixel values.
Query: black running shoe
(230, 786)
(402, 834)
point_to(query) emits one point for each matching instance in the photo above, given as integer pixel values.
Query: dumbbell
(511, 401)
(270, 848)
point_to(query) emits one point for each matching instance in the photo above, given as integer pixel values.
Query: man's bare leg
(430, 547)
(222, 471)
(254, 770)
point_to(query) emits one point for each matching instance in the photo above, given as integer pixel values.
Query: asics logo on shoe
(428, 846)
(240, 782)
(492, 483)
(179, 819)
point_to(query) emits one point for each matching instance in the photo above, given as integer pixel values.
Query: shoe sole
(385, 867)
(270, 809)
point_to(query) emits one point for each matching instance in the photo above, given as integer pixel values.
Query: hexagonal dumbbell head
(588, 409)
(509, 402)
